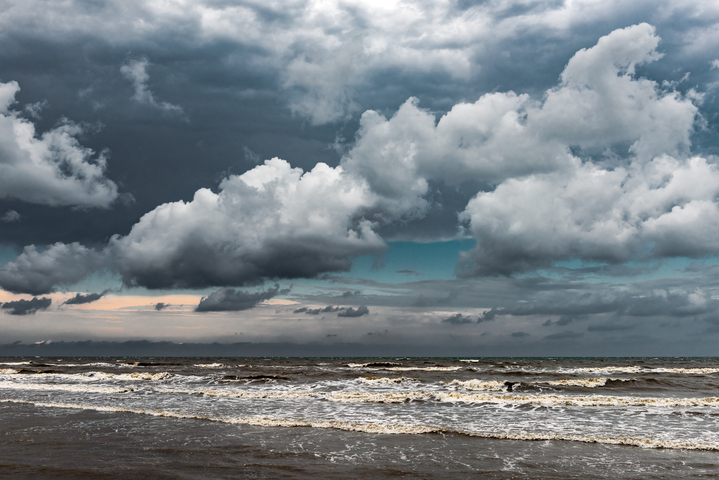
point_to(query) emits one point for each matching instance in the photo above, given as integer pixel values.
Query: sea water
(359, 418)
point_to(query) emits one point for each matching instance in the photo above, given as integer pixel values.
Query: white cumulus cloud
(273, 221)
(52, 168)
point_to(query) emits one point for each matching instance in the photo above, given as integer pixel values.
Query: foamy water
(669, 404)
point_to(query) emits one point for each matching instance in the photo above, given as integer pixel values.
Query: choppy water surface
(543, 418)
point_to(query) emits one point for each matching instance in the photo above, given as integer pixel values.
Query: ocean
(548, 418)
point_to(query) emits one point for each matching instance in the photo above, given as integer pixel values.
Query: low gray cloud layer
(458, 319)
(341, 311)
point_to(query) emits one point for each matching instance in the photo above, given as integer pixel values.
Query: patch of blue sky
(409, 261)
(8, 254)
(632, 271)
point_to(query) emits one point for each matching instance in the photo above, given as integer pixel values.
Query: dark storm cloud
(229, 300)
(236, 86)
(26, 307)
(36, 272)
(198, 266)
(353, 313)
(161, 306)
(80, 299)
(458, 319)
(253, 230)
(519, 334)
(236, 71)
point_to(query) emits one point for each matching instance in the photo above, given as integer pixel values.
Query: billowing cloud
(52, 168)
(273, 221)
(81, 299)
(595, 170)
(664, 207)
(37, 272)
(328, 57)
(136, 72)
(26, 307)
(598, 105)
(655, 203)
(230, 300)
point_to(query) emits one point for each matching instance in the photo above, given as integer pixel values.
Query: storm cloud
(354, 312)
(560, 156)
(37, 272)
(231, 300)
(80, 299)
(53, 168)
(26, 307)
(258, 227)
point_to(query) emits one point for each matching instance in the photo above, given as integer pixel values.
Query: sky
(448, 177)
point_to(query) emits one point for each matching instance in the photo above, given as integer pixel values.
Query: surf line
(386, 429)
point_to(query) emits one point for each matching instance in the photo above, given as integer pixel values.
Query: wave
(636, 369)
(424, 369)
(500, 385)
(397, 397)
(63, 388)
(456, 397)
(389, 428)
(586, 382)
(398, 368)
(376, 380)
(90, 376)
(212, 365)
(689, 371)
(485, 385)
(373, 365)
(93, 364)
(130, 376)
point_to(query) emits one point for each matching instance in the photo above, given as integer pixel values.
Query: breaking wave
(376, 428)
(387, 380)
